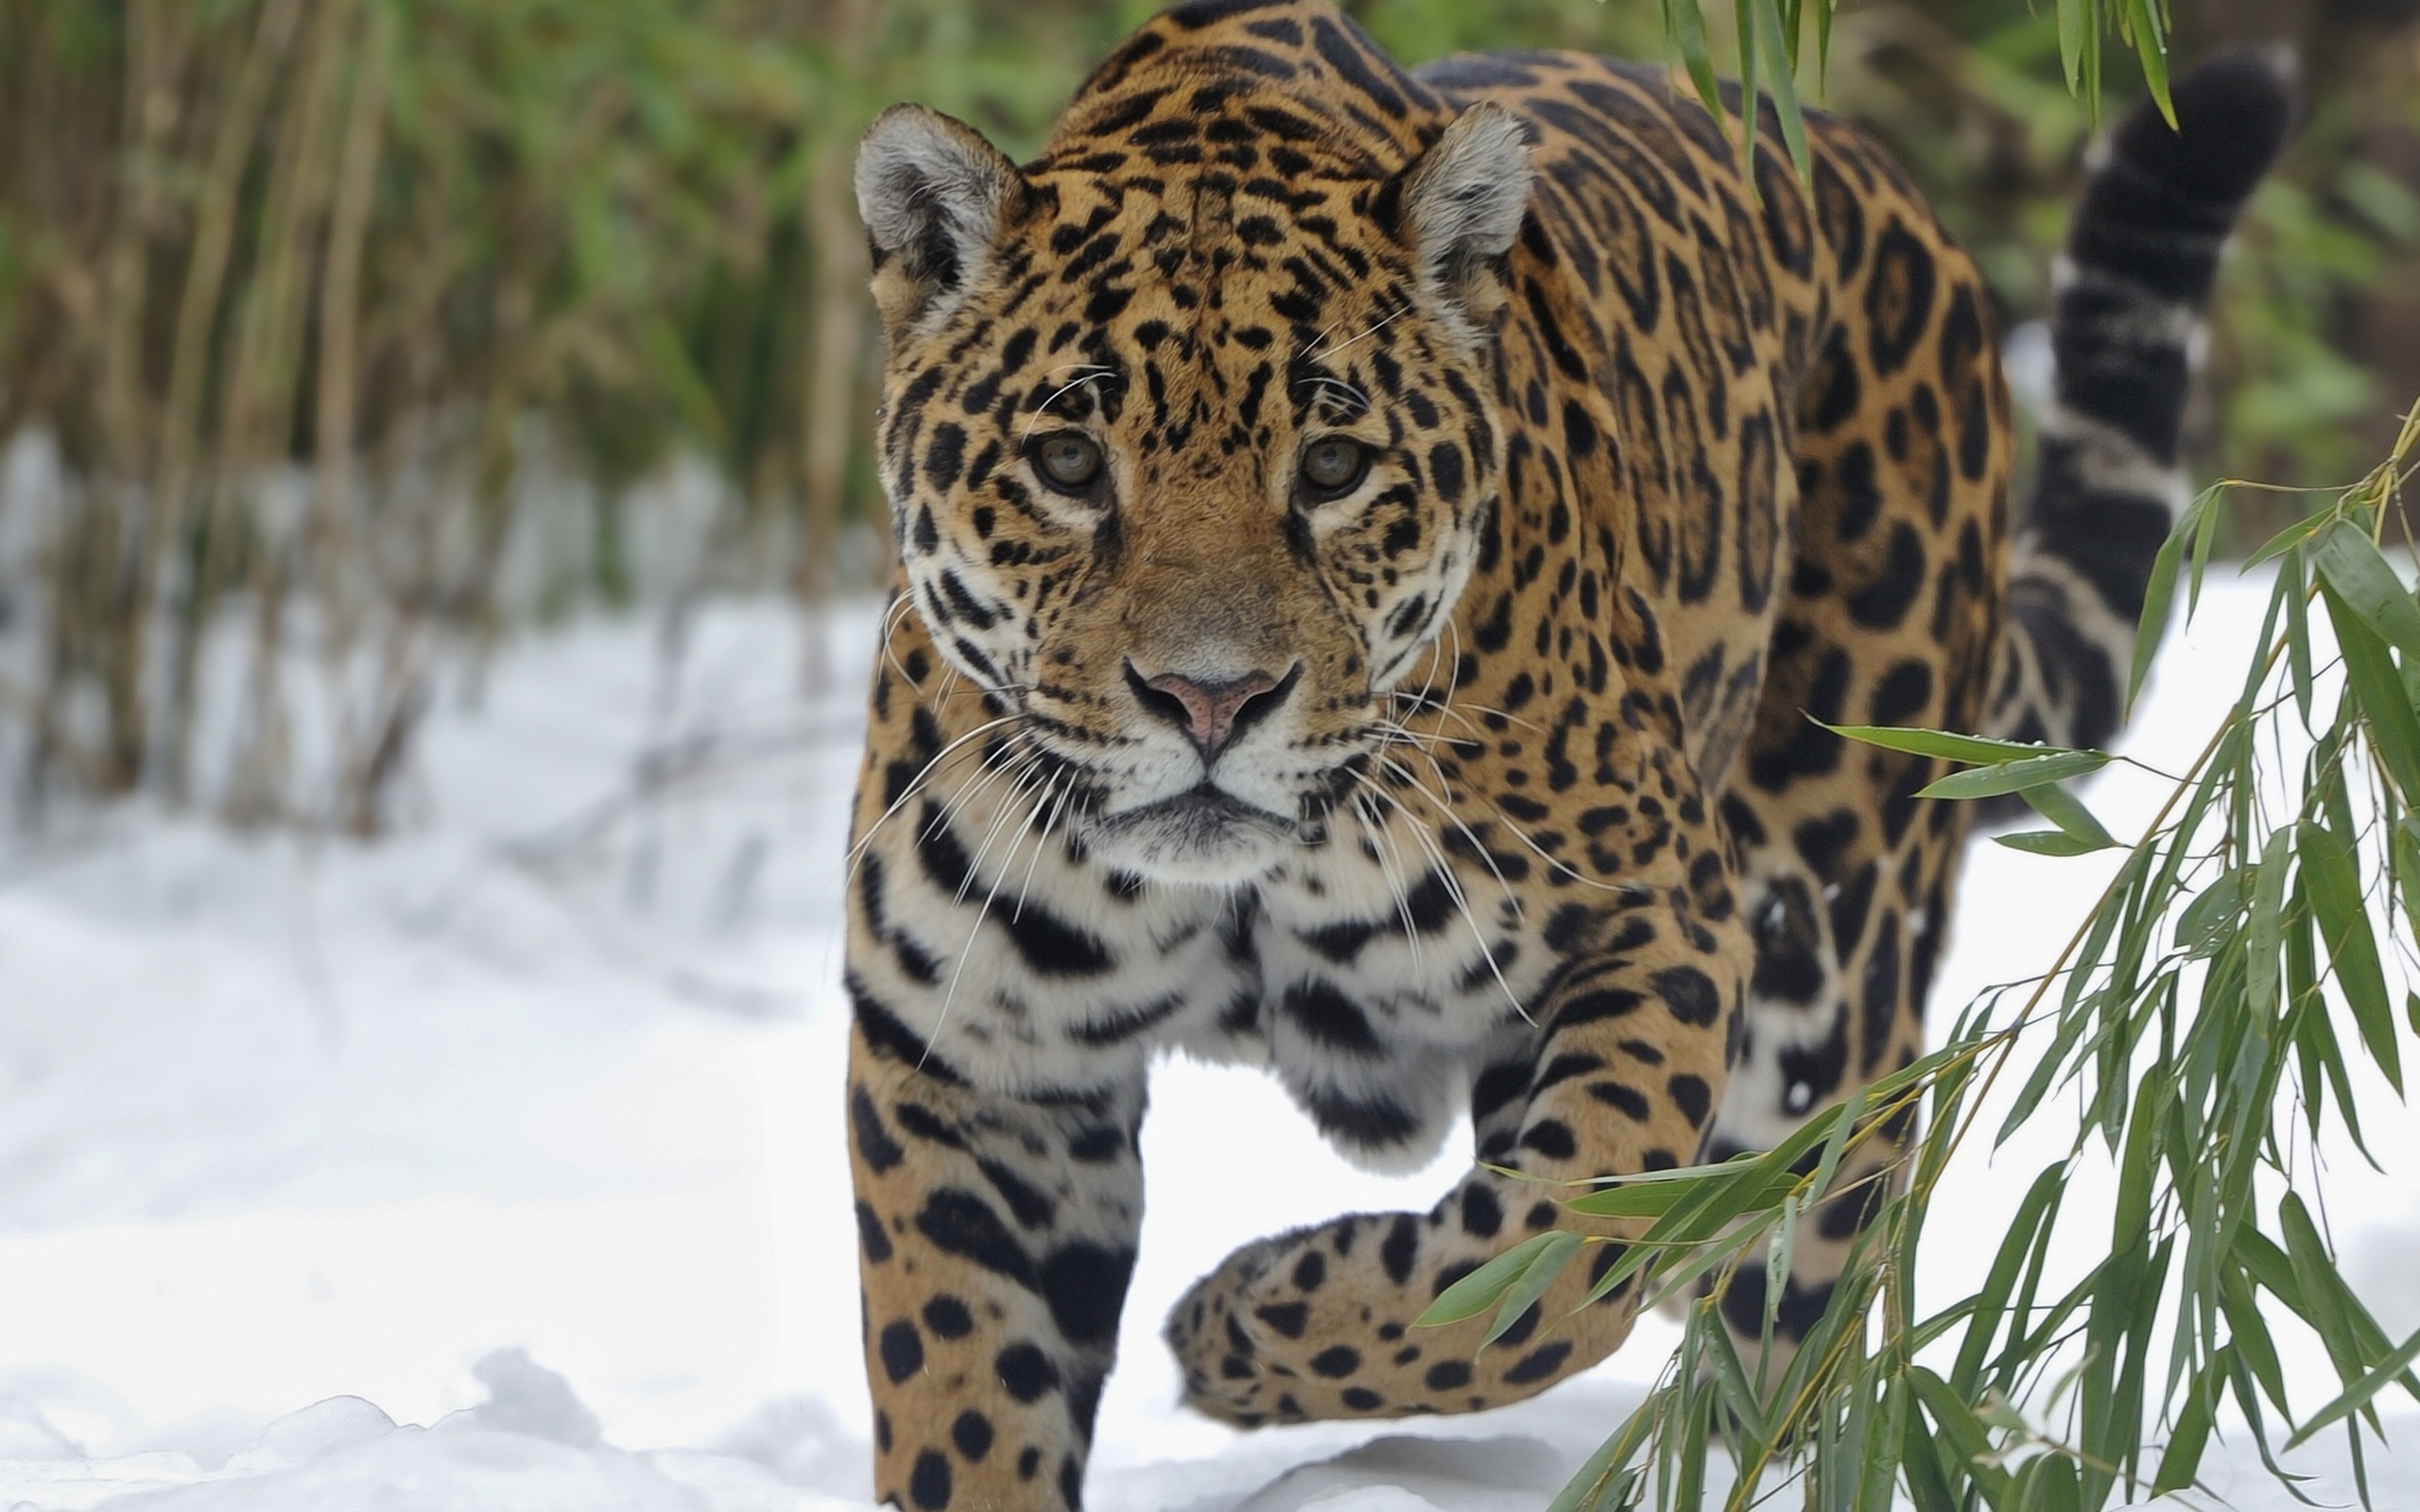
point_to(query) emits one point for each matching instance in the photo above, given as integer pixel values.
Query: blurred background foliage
(326, 314)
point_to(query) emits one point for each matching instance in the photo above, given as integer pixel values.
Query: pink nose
(1210, 713)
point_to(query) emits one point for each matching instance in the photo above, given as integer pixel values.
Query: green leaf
(1731, 1378)
(1749, 83)
(2350, 564)
(2385, 707)
(2058, 805)
(1531, 1284)
(2016, 776)
(1851, 1112)
(1969, 749)
(2297, 632)
(1686, 24)
(1970, 1446)
(2203, 538)
(2315, 1272)
(1991, 1303)
(1784, 54)
(1926, 1487)
(2218, 906)
(2265, 929)
(1888, 1445)
(1479, 1291)
(2359, 1393)
(2403, 848)
(1658, 1194)
(2334, 885)
(2150, 46)
(1605, 1480)
(2179, 1462)
(2048, 843)
(2161, 589)
(2248, 1332)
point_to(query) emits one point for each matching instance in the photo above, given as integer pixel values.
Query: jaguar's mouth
(1205, 835)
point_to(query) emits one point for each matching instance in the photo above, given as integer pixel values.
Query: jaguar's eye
(1331, 467)
(1068, 460)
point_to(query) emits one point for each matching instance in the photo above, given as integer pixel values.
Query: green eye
(1068, 460)
(1332, 466)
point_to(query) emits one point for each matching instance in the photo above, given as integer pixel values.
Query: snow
(522, 1126)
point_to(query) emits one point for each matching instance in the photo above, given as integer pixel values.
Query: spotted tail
(2126, 334)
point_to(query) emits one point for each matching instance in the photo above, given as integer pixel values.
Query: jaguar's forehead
(1203, 257)
(1268, 91)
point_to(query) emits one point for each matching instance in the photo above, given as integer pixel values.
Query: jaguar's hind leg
(1903, 457)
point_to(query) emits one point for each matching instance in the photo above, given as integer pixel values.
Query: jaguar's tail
(2126, 333)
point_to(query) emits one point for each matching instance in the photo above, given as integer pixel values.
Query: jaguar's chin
(1207, 837)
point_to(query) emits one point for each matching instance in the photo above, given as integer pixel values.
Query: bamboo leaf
(2265, 929)
(2385, 707)
(2297, 632)
(1750, 68)
(1990, 1305)
(2047, 843)
(2403, 850)
(2350, 564)
(1784, 54)
(2181, 1459)
(2016, 776)
(2058, 805)
(1552, 1256)
(1887, 1446)
(2071, 23)
(1730, 1381)
(1686, 24)
(2335, 889)
(2161, 589)
(2314, 1270)
(2219, 906)
(1604, 1480)
(1479, 1291)
(2357, 1395)
(1969, 749)
(2150, 46)
(1970, 1446)
(1926, 1486)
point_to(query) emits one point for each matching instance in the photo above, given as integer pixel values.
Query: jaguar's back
(1371, 546)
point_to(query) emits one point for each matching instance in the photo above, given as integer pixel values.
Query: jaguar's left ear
(935, 197)
(1460, 206)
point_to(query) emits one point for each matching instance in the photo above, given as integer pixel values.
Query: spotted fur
(1482, 780)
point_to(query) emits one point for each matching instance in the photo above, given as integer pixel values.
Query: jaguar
(1378, 553)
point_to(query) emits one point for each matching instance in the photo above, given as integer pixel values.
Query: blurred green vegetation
(406, 255)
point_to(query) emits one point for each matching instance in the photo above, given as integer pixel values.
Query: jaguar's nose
(1212, 712)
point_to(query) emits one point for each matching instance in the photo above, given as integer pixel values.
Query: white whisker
(1453, 890)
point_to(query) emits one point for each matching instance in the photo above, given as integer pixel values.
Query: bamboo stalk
(837, 311)
(260, 400)
(155, 46)
(206, 278)
(338, 377)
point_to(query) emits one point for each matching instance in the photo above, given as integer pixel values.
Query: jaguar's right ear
(934, 195)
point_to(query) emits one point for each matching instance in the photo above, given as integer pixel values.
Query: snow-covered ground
(523, 1126)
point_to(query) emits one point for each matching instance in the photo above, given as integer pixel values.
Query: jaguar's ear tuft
(934, 195)
(1461, 205)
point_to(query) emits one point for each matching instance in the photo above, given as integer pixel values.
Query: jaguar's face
(1190, 474)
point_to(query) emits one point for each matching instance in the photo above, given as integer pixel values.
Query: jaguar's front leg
(1620, 1075)
(997, 1239)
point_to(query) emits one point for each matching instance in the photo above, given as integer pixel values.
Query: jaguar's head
(1190, 432)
